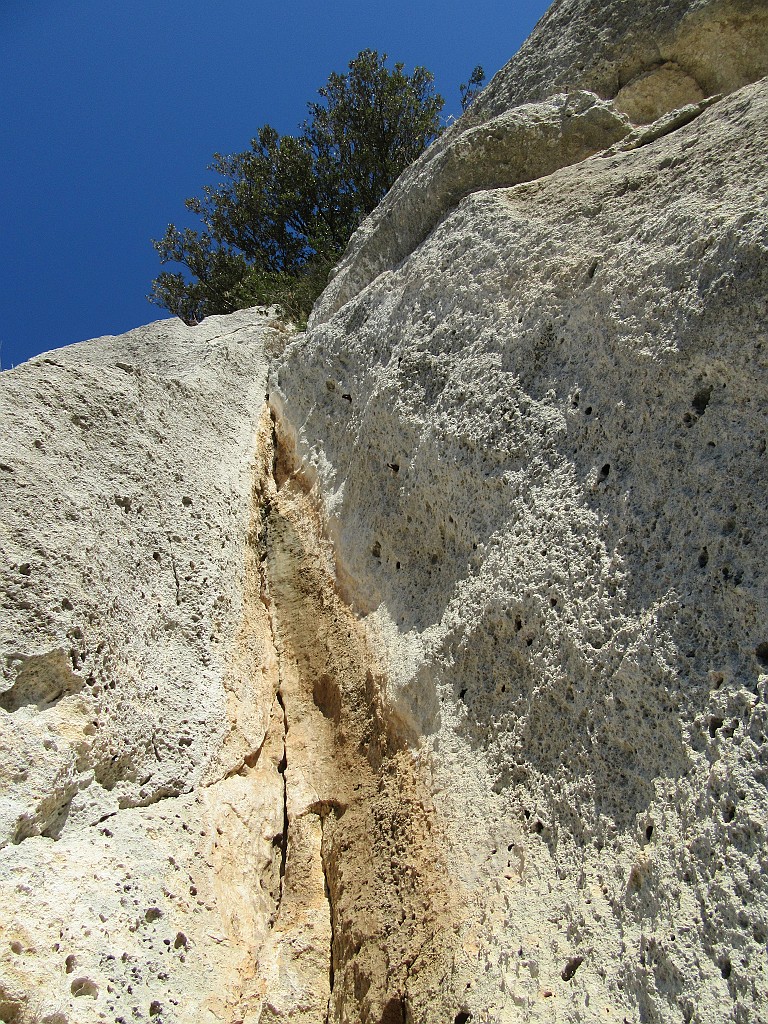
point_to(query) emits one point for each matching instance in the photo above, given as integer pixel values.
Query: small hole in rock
(703, 557)
(761, 653)
(571, 967)
(394, 1012)
(605, 470)
(327, 697)
(462, 1018)
(186, 501)
(700, 400)
(84, 987)
(715, 723)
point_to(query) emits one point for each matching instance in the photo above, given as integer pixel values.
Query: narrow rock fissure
(353, 806)
(175, 573)
(266, 512)
(273, 422)
(283, 769)
(667, 124)
(329, 898)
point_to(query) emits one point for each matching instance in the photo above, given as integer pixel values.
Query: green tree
(471, 89)
(282, 212)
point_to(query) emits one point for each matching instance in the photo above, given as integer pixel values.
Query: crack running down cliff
(367, 913)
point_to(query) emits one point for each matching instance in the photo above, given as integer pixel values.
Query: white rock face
(542, 111)
(434, 688)
(137, 668)
(521, 144)
(693, 46)
(541, 441)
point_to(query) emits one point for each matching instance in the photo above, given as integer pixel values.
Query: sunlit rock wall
(417, 671)
(138, 678)
(540, 437)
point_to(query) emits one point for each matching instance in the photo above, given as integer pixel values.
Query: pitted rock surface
(541, 440)
(415, 669)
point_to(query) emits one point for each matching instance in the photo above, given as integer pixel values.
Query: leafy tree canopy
(282, 211)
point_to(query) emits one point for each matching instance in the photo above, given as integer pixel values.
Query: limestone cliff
(415, 669)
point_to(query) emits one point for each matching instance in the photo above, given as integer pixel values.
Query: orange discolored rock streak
(367, 915)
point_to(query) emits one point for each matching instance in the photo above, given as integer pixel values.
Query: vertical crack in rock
(175, 572)
(329, 897)
(283, 768)
(261, 514)
(364, 886)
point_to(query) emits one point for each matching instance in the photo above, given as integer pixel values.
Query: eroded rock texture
(138, 677)
(207, 816)
(415, 669)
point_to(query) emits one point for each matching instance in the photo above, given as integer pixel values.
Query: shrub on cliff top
(283, 210)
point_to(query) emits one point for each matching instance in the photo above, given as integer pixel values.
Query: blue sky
(112, 109)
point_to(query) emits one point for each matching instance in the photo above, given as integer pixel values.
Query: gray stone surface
(521, 144)
(435, 688)
(132, 696)
(650, 59)
(541, 442)
(124, 465)
(719, 45)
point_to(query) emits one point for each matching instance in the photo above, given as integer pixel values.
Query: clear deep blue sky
(110, 111)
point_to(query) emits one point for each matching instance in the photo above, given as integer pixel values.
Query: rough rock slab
(649, 59)
(541, 441)
(206, 816)
(138, 677)
(662, 51)
(436, 690)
